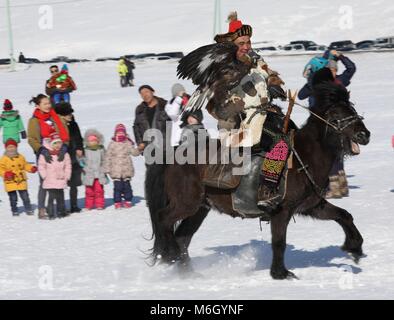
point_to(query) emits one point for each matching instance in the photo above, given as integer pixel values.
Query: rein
(339, 128)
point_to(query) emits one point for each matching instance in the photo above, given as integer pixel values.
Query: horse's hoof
(291, 276)
(283, 274)
(355, 254)
(186, 270)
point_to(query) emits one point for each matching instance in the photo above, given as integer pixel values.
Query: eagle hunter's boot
(334, 191)
(268, 195)
(343, 186)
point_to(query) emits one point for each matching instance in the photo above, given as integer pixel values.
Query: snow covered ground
(97, 28)
(101, 254)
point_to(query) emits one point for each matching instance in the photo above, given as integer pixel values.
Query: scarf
(46, 127)
(94, 148)
(54, 152)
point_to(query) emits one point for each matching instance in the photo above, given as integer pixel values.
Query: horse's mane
(327, 94)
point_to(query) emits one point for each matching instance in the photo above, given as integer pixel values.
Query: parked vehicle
(4, 61)
(108, 59)
(384, 42)
(175, 55)
(366, 44)
(317, 48)
(305, 43)
(291, 47)
(267, 48)
(346, 45)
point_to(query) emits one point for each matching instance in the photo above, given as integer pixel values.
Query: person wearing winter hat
(12, 123)
(75, 150)
(119, 166)
(247, 101)
(13, 168)
(63, 84)
(174, 109)
(192, 129)
(93, 173)
(55, 176)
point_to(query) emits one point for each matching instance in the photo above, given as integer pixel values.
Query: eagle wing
(215, 69)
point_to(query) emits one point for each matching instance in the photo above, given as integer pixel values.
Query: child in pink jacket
(55, 175)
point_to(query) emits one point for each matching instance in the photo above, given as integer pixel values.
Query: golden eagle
(216, 70)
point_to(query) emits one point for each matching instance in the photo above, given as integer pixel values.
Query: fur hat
(198, 115)
(177, 89)
(63, 109)
(7, 105)
(92, 137)
(10, 142)
(236, 29)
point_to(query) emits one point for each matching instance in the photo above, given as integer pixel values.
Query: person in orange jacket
(13, 168)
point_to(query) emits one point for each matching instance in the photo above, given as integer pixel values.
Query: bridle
(337, 124)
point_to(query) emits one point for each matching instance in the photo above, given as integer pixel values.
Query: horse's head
(344, 128)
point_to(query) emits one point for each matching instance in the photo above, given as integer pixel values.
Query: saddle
(244, 187)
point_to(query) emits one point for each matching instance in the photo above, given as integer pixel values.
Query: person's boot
(75, 209)
(334, 191)
(42, 214)
(51, 212)
(343, 186)
(267, 198)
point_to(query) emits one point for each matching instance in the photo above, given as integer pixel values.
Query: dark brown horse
(176, 194)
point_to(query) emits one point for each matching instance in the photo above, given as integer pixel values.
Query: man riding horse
(237, 87)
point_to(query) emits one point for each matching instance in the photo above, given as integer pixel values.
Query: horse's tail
(156, 200)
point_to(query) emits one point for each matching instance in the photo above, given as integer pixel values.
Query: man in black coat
(150, 114)
(75, 149)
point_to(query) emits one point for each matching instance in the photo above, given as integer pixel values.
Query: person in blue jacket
(330, 60)
(338, 186)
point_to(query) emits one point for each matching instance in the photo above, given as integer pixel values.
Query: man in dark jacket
(150, 114)
(75, 149)
(344, 79)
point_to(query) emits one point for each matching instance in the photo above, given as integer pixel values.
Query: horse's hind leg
(354, 240)
(279, 223)
(186, 230)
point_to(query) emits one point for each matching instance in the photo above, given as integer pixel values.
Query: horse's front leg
(279, 223)
(354, 240)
